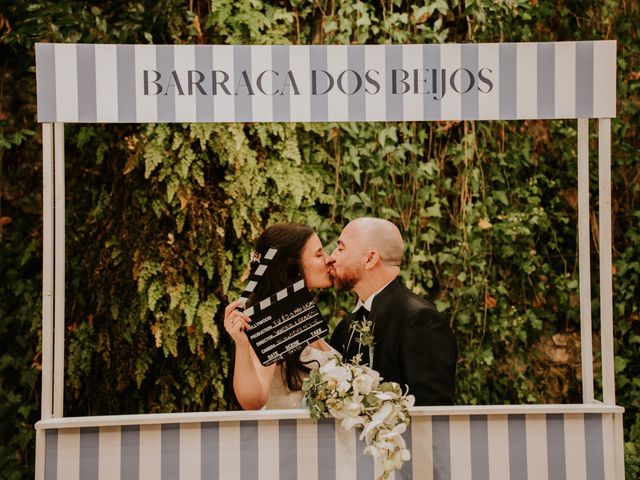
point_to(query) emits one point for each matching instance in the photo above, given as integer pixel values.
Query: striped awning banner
(91, 83)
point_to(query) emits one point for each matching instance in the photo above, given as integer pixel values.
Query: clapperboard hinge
(254, 278)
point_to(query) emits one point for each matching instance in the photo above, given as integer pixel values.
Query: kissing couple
(413, 344)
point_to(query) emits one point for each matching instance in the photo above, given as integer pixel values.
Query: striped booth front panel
(465, 447)
(319, 83)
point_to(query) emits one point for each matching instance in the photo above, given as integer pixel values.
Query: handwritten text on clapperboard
(284, 323)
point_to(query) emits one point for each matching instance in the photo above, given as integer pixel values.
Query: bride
(300, 255)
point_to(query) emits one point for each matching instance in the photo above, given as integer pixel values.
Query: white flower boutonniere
(363, 332)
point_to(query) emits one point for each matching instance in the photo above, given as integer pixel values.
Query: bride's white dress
(280, 397)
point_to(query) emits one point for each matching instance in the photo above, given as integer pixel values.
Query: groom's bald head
(368, 256)
(380, 235)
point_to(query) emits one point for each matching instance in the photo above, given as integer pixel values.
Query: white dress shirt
(369, 301)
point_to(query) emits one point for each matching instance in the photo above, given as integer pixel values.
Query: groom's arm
(428, 357)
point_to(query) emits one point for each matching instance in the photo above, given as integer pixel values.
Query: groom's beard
(345, 282)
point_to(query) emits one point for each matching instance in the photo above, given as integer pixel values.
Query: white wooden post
(59, 288)
(584, 260)
(606, 262)
(46, 406)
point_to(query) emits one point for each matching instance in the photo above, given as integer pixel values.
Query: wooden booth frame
(577, 441)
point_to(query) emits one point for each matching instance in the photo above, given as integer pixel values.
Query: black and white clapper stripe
(254, 278)
(276, 297)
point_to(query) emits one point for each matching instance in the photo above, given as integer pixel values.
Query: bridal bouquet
(354, 394)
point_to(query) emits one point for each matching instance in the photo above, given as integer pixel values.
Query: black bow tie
(361, 314)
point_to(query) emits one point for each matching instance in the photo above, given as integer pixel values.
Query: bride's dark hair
(285, 269)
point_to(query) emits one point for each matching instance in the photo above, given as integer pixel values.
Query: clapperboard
(285, 322)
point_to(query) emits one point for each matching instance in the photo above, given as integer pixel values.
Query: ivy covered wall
(161, 218)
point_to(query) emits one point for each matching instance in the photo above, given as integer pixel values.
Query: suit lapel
(381, 301)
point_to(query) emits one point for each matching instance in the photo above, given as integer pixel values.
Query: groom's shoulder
(404, 299)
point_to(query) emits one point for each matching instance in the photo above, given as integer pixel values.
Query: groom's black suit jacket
(414, 345)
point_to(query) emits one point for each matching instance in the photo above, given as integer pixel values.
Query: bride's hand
(236, 322)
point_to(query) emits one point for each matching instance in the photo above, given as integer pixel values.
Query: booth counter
(536, 442)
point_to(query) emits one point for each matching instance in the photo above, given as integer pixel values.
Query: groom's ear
(373, 258)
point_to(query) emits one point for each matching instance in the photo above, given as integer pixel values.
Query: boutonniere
(363, 331)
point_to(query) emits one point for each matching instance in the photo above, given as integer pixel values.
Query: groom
(412, 344)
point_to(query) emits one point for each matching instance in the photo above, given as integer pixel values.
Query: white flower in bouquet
(396, 460)
(349, 422)
(344, 407)
(377, 419)
(363, 384)
(338, 377)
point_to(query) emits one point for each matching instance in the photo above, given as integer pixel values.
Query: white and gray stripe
(530, 446)
(252, 83)
(51, 455)
(441, 441)
(89, 448)
(280, 102)
(249, 443)
(507, 75)
(479, 447)
(556, 460)
(204, 103)
(431, 61)
(326, 449)
(170, 451)
(319, 83)
(126, 83)
(545, 79)
(469, 60)
(130, 452)
(87, 84)
(594, 446)
(210, 449)
(288, 445)
(517, 448)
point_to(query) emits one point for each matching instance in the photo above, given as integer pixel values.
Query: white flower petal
(330, 365)
(349, 422)
(386, 396)
(378, 418)
(406, 455)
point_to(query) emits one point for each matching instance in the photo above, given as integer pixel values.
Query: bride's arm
(251, 380)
